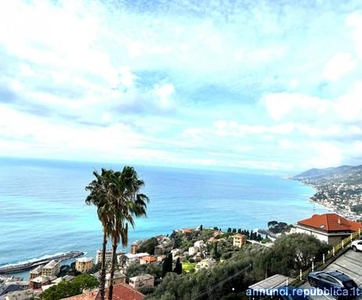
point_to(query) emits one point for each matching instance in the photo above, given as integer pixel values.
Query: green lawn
(187, 266)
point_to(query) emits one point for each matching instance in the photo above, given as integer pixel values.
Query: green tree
(167, 265)
(118, 201)
(178, 266)
(99, 189)
(293, 252)
(127, 203)
(69, 288)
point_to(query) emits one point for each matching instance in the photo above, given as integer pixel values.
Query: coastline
(179, 198)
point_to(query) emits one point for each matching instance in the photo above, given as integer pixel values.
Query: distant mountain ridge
(313, 173)
(349, 176)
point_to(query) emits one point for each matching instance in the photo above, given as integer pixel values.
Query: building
(108, 256)
(330, 227)
(135, 257)
(200, 244)
(12, 286)
(83, 264)
(263, 287)
(147, 260)
(118, 278)
(39, 281)
(193, 250)
(20, 295)
(141, 281)
(99, 256)
(134, 248)
(52, 268)
(120, 292)
(239, 240)
(206, 263)
(35, 272)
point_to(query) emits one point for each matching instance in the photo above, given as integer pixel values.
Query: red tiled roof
(149, 258)
(331, 222)
(120, 292)
(87, 296)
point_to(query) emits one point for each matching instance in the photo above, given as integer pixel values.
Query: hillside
(339, 188)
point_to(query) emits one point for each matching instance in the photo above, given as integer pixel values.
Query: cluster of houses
(330, 228)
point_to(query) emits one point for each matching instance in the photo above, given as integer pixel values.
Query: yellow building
(83, 264)
(52, 268)
(239, 240)
(134, 248)
(35, 272)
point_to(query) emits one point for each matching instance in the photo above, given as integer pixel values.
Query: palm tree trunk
(113, 267)
(103, 266)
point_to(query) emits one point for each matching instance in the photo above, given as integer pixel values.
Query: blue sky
(272, 85)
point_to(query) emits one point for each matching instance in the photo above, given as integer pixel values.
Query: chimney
(339, 221)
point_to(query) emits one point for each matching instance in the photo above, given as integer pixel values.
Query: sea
(43, 210)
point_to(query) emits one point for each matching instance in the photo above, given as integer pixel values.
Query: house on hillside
(141, 281)
(330, 227)
(239, 240)
(118, 278)
(206, 263)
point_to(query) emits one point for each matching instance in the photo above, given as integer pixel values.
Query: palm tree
(117, 198)
(127, 202)
(98, 197)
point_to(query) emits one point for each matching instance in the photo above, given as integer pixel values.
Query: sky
(265, 85)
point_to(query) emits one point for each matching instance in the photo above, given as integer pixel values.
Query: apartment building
(52, 268)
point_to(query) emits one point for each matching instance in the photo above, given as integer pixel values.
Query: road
(350, 263)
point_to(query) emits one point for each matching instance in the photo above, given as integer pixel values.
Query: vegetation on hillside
(70, 288)
(230, 278)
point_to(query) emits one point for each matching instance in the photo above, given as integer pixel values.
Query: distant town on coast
(151, 265)
(338, 189)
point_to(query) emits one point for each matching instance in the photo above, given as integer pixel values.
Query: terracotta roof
(330, 222)
(149, 258)
(87, 296)
(120, 292)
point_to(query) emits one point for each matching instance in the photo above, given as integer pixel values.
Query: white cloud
(349, 106)
(294, 106)
(354, 20)
(338, 66)
(263, 86)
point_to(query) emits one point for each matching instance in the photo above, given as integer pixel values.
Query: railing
(328, 258)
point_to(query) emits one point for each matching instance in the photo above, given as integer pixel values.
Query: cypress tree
(167, 264)
(178, 266)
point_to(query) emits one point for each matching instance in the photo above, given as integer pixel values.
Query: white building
(193, 250)
(20, 295)
(145, 280)
(206, 263)
(99, 256)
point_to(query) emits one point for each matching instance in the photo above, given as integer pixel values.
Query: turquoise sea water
(42, 209)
